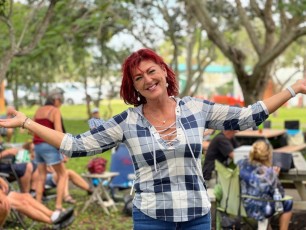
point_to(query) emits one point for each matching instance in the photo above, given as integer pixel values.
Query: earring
(138, 98)
(167, 85)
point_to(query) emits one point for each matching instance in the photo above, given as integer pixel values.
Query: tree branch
(29, 19)
(269, 25)
(283, 17)
(9, 15)
(198, 9)
(256, 9)
(289, 36)
(40, 30)
(245, 21)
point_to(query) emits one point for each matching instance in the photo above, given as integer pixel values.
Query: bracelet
(291, 91)
(25, 120)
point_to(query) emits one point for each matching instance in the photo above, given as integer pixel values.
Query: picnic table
(297, 175)
(248, 137)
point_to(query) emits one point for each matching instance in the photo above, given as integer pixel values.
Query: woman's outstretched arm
(19, 119)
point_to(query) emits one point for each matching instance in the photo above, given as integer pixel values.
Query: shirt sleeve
(224, 117)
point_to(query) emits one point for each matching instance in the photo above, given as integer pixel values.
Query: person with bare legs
(74, 177)
(49, 116)
(27, 205)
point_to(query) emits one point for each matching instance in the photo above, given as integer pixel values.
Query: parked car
(8, 97)
(28, 95)
(74, 92)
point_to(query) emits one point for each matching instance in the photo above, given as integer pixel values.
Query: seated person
(75, 178)
(95, 119)
(27, 205)
(259, 179)
(206, 138)
(7, 132)
(26, 172)
(221, 148)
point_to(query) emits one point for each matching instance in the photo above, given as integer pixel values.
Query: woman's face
(150, 80)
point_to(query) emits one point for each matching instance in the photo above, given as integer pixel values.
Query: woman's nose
(147, 78)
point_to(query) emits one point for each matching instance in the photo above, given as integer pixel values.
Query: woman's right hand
(17, 120)
(276, 169)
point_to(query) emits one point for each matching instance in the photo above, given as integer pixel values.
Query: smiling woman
(164, 135)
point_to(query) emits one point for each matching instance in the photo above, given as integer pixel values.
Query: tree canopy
(47, 41)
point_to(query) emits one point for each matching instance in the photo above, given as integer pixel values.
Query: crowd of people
(163, 134)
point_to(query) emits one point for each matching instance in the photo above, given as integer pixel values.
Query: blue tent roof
(211, 68)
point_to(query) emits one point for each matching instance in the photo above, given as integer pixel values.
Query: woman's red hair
(127, 91)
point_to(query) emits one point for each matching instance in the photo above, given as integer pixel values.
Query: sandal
(69, 199)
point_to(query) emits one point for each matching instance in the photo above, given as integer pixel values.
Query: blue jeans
(144, 222)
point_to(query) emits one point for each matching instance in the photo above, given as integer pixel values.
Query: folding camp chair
(227, 192)
(230, 210)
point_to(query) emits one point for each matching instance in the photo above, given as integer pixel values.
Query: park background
(75, 120)
(246, 50)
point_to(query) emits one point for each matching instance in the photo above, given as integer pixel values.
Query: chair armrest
(4, 175)
(269, 200)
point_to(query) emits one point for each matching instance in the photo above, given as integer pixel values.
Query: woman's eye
(137, 78)
(151, 71)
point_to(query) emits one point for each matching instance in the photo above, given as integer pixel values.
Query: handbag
(283, 160)
(230, 222)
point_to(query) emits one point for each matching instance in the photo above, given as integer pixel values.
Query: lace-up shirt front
(169, 184)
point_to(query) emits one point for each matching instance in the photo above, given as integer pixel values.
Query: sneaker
(67, 222)
(33, 193)
(64, 224)
(64, 215)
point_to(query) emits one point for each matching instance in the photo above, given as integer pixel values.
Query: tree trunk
(253, 86)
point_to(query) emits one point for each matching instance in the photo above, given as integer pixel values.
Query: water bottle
(278, 203)
(268, 209)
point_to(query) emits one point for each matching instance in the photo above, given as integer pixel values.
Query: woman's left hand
(300, 86)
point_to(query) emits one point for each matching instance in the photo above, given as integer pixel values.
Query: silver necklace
(160, 121)
(163, 121)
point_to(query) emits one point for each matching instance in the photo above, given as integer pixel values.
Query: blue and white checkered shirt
(95, 122)
(169, 184)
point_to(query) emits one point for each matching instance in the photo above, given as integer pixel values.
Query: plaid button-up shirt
(169, 184)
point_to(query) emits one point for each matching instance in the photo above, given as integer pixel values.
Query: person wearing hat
(95, 119)
(49, 115)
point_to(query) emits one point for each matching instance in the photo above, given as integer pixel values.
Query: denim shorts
(47, 154)
(49, 181)
(144, 222)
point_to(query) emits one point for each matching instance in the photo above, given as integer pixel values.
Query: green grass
(278, 118)
(75, 120)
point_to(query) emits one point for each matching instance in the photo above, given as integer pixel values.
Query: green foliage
(4, 5)
(226, 88)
